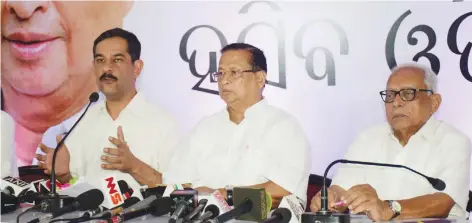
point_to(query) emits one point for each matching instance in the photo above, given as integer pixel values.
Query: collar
(427, 131)
(135, 106)
(253, 110)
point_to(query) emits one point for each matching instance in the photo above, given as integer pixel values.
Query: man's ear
(261, 78)
(435, 102)
(138, 67)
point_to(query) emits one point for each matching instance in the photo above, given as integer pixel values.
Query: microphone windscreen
(213, 209)
(260, 204)
(90, 199)
(438, 184)
(162, 206)
(284, 213)
(94, 97)
(9, 203)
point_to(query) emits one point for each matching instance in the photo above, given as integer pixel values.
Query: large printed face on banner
(47, 61)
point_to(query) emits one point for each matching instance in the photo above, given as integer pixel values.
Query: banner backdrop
(327, 61)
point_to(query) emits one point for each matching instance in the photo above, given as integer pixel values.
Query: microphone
(112, 212)
(217, 199)
(158, 207)
(9, 203)
(85, 201)
(280, 215)
(294, 205)
(243, 208)
(201, 205)
(250, 205)
(54, 198)
(142, 204)
(105, 214)
(324, 215)
(211, 211)
(159, 191)
(14, 186)
(185, 201)
(125, 189)
(113, 192)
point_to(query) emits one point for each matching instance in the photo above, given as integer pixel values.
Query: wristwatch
(229, 195)
(396, 208)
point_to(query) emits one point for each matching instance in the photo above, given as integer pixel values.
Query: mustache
(107, 75)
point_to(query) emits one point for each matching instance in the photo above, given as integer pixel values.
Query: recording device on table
(325, 216)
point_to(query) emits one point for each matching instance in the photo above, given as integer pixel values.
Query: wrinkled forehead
(407, 78)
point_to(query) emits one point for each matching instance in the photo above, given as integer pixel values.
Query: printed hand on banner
(62, 159)
(120, 158)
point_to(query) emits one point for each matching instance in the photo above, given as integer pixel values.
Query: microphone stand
(325, 216)
(52, 201)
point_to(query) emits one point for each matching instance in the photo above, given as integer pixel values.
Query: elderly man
(47, 75)
(412, 138)
(249, 143)
(124, 135)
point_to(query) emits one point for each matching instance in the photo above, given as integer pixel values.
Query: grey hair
(430, 77)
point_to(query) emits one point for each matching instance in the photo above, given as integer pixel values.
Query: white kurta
(436, 150)
(8, 156)
(268, 145)
(151, 134)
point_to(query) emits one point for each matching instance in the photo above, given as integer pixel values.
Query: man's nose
(24, 10)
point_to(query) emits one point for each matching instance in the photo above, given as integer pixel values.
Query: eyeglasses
(234, 74)
(388, 96)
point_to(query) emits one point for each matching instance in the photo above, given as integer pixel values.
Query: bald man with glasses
(413, 138)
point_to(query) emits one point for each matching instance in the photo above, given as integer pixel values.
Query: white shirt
(8, 156)
(49, 137)
(150, 132)
(437, 150)
(268, 145)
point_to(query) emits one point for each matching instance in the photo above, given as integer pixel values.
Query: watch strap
(395, 213)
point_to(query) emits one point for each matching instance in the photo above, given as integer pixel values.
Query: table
(11, 218)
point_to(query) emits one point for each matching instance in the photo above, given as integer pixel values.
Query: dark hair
(134, 46)
(258, 59)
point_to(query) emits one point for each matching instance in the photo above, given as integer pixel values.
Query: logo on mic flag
(113, 195)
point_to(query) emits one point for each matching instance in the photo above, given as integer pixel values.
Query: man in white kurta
(249, 143)
(124, 135)
(149, 131)
(411, 137)
(437, 150)
(49, 136)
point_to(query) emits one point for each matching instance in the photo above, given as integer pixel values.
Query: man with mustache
(124, 132)
(47, 76)
(248, 143)
(413, 138)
